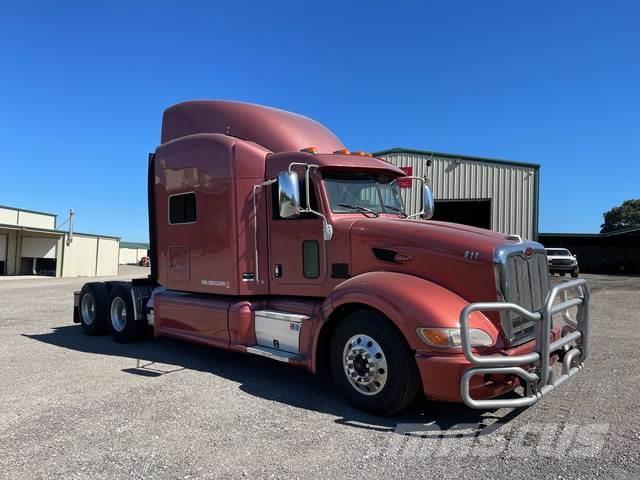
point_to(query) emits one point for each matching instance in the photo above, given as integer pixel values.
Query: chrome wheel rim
(88, 309)
(365, 364)
(118, 314)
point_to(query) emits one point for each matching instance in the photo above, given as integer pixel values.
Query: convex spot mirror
(288, 194)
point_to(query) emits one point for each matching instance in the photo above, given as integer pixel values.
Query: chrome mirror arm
(327, 229)
(255, 227)
(424, 187)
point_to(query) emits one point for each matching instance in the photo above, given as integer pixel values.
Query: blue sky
(83, 86)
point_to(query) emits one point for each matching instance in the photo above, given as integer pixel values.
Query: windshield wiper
(360, 208)
(396, 209)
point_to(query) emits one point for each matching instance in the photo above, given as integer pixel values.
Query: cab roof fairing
(274, 129)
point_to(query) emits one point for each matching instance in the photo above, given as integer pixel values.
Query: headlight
(450, 337)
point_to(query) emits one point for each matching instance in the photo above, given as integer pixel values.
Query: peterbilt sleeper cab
(269, 237)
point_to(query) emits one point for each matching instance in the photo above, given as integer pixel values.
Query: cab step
(279, 355)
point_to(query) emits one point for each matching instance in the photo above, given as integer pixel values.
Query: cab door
(296, 249)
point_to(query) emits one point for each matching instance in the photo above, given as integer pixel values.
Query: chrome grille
(561, 261)
(526, 283)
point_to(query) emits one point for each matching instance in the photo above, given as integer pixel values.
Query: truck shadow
(280, 383)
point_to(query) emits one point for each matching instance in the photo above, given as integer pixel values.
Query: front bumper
(477, 379)
(441, 374)
(538, 379)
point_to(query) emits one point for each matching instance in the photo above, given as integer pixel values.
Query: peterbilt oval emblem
(402, 258)
(528, 252)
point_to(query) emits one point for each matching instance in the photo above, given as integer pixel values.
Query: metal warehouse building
(612, 252)
(496, 194)
(132, 252)
(30, 244)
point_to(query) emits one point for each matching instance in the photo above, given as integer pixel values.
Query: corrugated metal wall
(90, 256)
(511, 188)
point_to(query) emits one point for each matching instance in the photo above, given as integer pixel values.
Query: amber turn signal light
(436, 337)
(450, 337)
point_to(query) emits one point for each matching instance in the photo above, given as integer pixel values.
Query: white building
(132, 252)
(30, 244)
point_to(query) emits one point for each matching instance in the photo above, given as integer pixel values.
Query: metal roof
(594, 235)
(17, 209)
(52, 231)
(134, 245)
(535, 166)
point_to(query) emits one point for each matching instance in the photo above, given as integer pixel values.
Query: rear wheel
(372, 365)
(92, 308)
(122, 322)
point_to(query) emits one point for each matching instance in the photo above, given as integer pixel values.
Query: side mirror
(288, 194)
(427, 202)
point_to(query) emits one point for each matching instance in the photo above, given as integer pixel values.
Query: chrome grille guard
(538, 377)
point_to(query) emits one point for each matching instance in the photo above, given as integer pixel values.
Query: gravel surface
(73, 406)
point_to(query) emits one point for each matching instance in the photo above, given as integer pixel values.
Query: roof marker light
(362, 154)
(342, 151)
(311, 150)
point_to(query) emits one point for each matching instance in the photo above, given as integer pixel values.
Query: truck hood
(458, 257)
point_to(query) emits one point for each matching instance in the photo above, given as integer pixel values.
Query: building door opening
(38, 256)
(38, 266)
(3, 254)
(476, 213)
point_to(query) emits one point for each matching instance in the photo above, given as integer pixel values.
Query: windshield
(363, 192)
(558, 253)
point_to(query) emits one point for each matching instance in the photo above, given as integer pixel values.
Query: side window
(310, 259)
(182, 208)
(303, 201)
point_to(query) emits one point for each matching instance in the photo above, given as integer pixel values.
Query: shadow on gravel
(277, 382)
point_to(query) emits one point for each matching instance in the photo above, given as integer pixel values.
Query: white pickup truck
(562, 261)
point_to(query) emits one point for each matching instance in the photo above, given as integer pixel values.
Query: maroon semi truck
(269, 237)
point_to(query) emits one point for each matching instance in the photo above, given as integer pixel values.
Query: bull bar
(538, 378)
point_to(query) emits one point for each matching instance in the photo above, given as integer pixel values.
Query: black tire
(562, 274)
(121, 317)
(575, 273)
(92, 309)
(401, 381)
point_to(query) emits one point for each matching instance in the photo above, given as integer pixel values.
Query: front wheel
(372, 365)
(575, 273)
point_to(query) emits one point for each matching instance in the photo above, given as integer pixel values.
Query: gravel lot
(73, 406)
